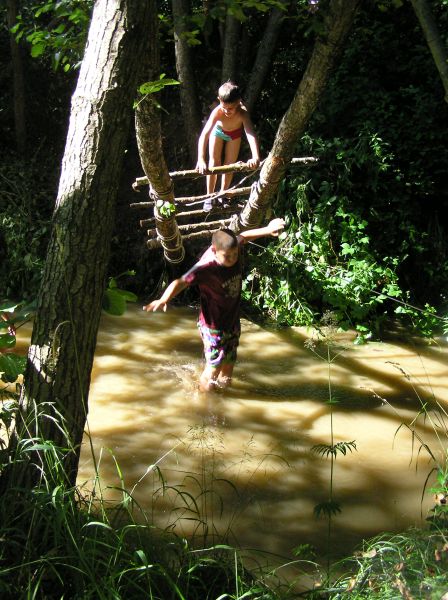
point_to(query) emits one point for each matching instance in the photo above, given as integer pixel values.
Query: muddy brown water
(242, 460)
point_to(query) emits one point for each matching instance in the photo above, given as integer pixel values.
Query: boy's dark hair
(229, 92)
(224, 239)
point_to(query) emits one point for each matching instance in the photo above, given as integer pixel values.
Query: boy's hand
(253, 163)
(275, 227)
(156, 305)
(201, 166)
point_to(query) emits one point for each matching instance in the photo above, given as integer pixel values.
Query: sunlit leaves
(57, 30)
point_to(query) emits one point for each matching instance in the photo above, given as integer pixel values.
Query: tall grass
(411, 565)
(61, 542)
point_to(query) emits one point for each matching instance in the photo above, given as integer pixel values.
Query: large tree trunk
(185, 73)
(18, 81)
(433, 39)
(149, 141)
(264, 55)
(338, 21)
(54, 401)
(230, 52)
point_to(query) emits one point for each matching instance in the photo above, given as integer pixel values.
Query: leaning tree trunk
(264, 55)
(18, 81)
(433, 39)
(184, 66)
(338, 22)
(149, 142)
(54, 402)
(230, 52)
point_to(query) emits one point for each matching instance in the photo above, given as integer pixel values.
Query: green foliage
(26, 201)
(328, 509)
(57, 30)
(332, 258)
(326, 450)
(406, 565)
(165, 208)
(12, 316)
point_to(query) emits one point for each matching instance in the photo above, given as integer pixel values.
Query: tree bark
(264, 56)
(433, 39)
(185, 73)
(18, 81)
(54, 402)
(337, 23)
(230, 52)
(149, 141)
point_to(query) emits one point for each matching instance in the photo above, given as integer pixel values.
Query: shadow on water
(245, 455)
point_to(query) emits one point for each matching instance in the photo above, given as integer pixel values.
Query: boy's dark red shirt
(220, 291)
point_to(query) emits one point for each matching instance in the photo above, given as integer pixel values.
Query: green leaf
(38, 49)
(152, 87)
(114, 303)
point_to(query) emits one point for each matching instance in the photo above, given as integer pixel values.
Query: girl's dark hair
(229, 92)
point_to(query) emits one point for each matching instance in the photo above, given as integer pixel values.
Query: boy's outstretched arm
(273, 228)
(174, 288)
(253, 141)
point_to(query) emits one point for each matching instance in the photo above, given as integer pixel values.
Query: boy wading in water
(218, 275)
(223, 132)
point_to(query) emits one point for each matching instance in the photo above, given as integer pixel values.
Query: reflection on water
(245, 455)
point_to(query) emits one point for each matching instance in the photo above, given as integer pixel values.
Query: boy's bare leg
(225, 375)
(215, 146)
(209, 379)
(231, 153)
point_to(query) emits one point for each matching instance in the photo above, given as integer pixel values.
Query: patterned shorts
(220, 347)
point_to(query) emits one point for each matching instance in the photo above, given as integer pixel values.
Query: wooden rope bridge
(177, 220)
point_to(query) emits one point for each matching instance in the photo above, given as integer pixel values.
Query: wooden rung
(191, 227)
(239, 167)
(231, 193)
(155, 242)
(196, 213)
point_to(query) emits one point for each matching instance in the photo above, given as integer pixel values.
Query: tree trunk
(184, 66)
(18, 81)
(337, 22)
(149, 142)
(433, 39)
(264, 55)
(231, 44)
(54, 402)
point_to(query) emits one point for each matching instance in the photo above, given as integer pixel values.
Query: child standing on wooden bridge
(218, 273)
(223, 132)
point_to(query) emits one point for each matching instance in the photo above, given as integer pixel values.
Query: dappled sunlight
(244, 455)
